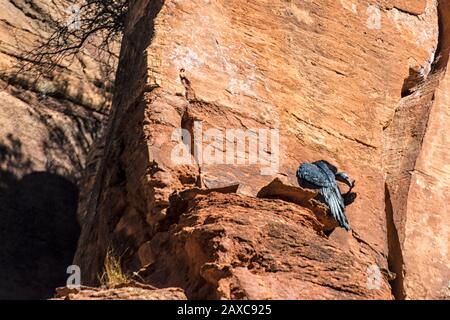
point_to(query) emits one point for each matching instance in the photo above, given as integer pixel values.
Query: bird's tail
(336, 204)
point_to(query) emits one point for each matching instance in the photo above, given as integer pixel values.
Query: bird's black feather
(322, 175)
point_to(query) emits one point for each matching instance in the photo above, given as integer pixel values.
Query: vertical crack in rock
(395, 255)
(187, 125)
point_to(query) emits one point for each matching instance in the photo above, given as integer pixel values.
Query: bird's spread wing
(323, 163)
(335, 202)
(313, 174)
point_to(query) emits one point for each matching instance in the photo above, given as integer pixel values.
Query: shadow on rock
(38, 235)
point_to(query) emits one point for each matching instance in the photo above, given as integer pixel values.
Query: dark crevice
(405, 11)
(187, 125)
(395, 254)
(411, 83)
(188, 137)
(443, 47)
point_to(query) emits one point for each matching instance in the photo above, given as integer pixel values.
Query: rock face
(47, 127)
(360, 84)
(417, 184)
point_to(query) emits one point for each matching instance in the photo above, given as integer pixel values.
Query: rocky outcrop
(127, 291)
(47, 127)
(239, 247)
(336, 80)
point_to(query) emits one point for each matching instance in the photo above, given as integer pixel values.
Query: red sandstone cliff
(361, 84)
